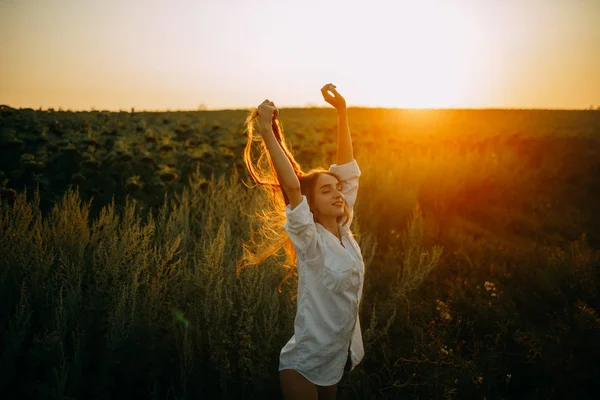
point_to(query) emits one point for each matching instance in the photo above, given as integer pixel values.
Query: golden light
(384, 53)
(428, 58)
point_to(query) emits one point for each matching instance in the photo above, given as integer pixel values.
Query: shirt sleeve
(301, 229)
(349, 174)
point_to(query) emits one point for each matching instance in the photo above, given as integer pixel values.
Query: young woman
(318, 212)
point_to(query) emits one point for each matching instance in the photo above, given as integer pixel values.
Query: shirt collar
(332, 241)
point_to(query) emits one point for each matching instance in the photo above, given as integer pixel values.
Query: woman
(318, 212)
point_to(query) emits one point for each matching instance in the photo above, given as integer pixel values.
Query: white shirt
(330, 284)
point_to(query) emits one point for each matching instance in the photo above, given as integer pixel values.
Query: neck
(331, 225)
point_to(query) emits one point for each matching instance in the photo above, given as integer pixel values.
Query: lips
(337, 203)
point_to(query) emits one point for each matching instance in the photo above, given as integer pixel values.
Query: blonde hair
(271, 217)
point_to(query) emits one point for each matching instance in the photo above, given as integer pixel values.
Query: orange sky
(150, 54)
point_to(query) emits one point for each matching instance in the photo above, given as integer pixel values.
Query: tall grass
(149, 306)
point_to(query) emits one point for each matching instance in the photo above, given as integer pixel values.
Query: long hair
(271, 235)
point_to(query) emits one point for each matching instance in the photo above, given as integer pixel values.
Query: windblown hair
(271, 217)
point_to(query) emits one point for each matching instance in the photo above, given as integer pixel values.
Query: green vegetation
(479, 231)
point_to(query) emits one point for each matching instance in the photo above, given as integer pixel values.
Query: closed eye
(339, 188)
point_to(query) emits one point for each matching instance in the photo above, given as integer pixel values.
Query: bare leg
(327, 392)
(294, 386)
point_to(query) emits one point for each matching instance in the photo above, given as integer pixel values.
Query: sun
(428, 60)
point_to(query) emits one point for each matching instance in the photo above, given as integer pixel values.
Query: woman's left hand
(337, 100)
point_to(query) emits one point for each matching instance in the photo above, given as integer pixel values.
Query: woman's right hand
(267, 112)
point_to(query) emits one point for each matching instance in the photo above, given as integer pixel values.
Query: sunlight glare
(432, 59)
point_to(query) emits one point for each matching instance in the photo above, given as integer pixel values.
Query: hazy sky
(178, 54)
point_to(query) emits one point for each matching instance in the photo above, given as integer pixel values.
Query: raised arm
(285, 172)
(345, 167)
(299, 224)
(344, 142)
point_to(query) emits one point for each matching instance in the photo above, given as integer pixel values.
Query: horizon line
(206, 109)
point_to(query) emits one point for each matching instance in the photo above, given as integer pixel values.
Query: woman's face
(329, 199)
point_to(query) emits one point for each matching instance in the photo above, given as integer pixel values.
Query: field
(119, 233)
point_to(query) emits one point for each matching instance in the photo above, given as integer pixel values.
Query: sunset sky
(179, 54)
